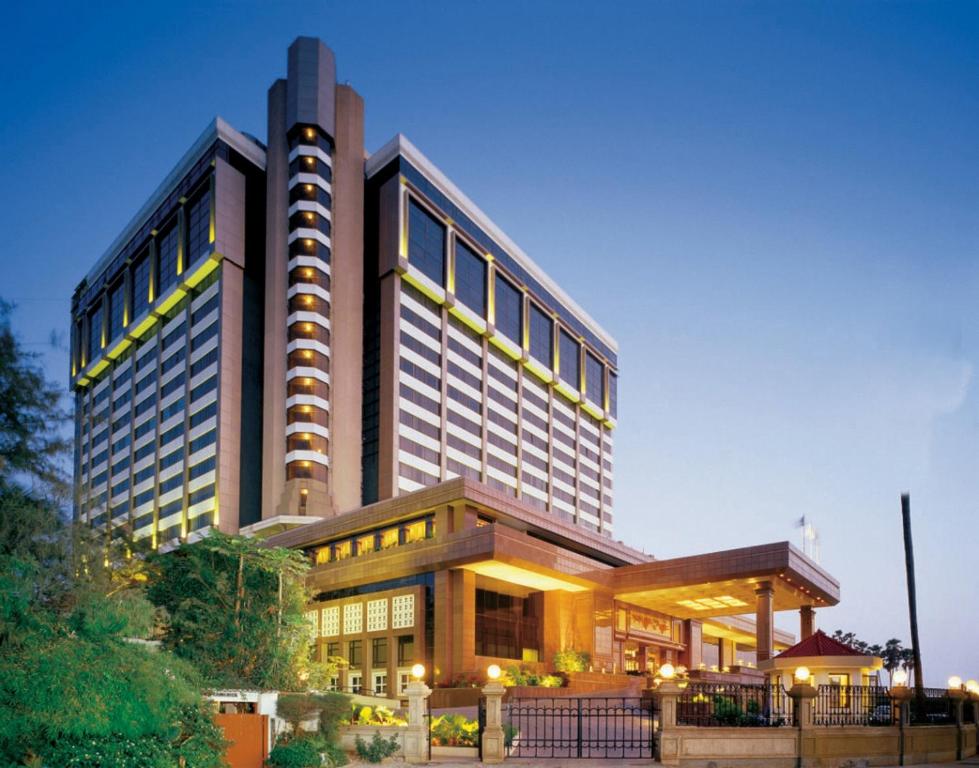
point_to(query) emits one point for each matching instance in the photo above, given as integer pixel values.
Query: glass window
(389, 538)
(365, 544)
(594, 380)
(355, 654)
(570, 356)
(199, 227)
(415, 531)
(406, 650)
(507, 627)
(94, 333)
(613, 394)
(509, 309)
(342, 550)
(470, 279)
(117, 302)
(379, 651)
(141, 284)
(167, 254)
(541, 336)
(426, 243)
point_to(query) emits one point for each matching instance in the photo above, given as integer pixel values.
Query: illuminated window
(389, 538)
(330, 621)
(377, 615)
(323, 555)
(402, 614)
(342, 550)
(415, 531)
(365, 544)
(353, 619)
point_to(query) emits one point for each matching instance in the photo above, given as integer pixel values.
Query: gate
(595, 726)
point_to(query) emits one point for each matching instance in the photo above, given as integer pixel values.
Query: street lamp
(418, 671)
(493, 672)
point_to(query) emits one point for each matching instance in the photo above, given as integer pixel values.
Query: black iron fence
(596, 726)
(733, 704)
(933, 708)
(969, 713)
(852, 705)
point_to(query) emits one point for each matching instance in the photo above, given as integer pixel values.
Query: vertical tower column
(807, 621)
(764, 620)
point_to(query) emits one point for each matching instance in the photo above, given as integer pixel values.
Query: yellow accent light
(972, 687)
(418, 671)
(310, 133)
(667, 671)
(801, 674)
(955, 683)
(900, 677)
(493, 671)
(309, 187)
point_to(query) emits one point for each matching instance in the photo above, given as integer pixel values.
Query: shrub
(378, 749)
(552, 681)
(333, 708)
(570, 660)
(454, 731)
(335, 756)
(300, 752)
(295, 709)
(108, 752)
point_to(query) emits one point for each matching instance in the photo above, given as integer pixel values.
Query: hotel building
(338, 350)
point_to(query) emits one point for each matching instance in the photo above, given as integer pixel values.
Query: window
(406, 650)
(470, 279)
(594, 379)
(426, 243)
(141, 285)
(379, 651)
(380, 678)
(167, 250)
(199, 227)
(330, 623)
(94, 333)
(541, 336)
(509, 310)
(402, 612)
(355, 654)
(117, 301)
(570, 358)
(377, 615)
(506, 626)
(613, 394)
(353, 618)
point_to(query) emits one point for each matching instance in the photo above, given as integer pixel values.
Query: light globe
(493, 671)
(900, 677)
(667, 672)
(954, 683)
(801, 674)
(418, 671)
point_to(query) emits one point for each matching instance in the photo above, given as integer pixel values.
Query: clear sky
(773, 207)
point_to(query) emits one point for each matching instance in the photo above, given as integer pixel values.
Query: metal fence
(852, 705)
(593, 726)
(733, 704)
(933, 708)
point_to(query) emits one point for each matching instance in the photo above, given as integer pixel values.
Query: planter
(459, 753)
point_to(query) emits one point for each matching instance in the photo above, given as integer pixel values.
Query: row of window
(427, 249)
(374, 541)
(327, 620)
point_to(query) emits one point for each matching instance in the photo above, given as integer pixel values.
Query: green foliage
(300, 752)
(569, 660)
(362, 714)
(454, 731)
(112, 751)
(378, 748)
(515, 675)
(236, 608)
(335, 756)
(333, 708)
(296, 709)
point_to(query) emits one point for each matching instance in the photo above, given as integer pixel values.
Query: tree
(32, 445)
(236, 608)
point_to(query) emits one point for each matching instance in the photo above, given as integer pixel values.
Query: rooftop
(819, 644)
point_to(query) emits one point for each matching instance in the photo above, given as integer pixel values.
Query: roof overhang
(723, 583)
(814, 663)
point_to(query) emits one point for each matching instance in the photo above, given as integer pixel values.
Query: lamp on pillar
(416, 735)
(764, 620)
(493, 741)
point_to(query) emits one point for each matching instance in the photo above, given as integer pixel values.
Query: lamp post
(900, 696)
(493, 741)
(416, 747)
(958, 695)
(802, 694)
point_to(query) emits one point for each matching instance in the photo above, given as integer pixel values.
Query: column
(668, 738)
(807, 622)
(764, 620)
(416, 734)
(493, 740)
(693, 635)
(726, 653)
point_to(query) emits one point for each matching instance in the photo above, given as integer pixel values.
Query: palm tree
(891, 654)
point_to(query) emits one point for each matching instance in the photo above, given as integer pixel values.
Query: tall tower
(314, 289)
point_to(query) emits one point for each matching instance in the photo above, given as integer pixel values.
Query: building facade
(339, 350)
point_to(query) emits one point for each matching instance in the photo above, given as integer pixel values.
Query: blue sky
(773, 207)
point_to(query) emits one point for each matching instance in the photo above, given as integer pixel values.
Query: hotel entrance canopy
(723, 583)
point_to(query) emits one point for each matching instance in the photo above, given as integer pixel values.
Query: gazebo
(829, 662)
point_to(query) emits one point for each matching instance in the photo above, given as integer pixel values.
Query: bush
(112, 751)
(295, 709)
(333, 708)
(514, 675)
(335, 756)
(361, 714)
(454, 731)
(570, 660)
(378, 749)
(299, 752)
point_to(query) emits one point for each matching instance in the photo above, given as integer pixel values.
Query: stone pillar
(693, 635)
(493, 740)
(726, 653)
(958, 697)
(764, 620)
(900, 696)
(807, 622)
(802, 695)
(668, 738)
(416, 746)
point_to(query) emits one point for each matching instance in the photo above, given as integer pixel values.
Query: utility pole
(912, 596)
